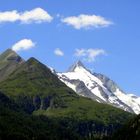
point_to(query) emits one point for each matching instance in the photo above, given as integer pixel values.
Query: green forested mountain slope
(130, 131)
(39, 92)
(18, 125)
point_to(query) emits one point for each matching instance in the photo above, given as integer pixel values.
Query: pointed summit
(10, 55)
(32, 60)
(9, 50)
(33, 66)
(75, 65)
(6, 54)
(79, 63)
(9, 61)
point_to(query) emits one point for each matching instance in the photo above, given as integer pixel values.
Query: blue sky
(107, 43)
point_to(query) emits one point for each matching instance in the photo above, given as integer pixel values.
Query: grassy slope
(37, 90)
(33, 78)
(86, 109)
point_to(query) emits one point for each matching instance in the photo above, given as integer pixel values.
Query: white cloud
(89, 54)
(36, 15)
(58, 52)
(9, 16)
(86, 21)
(24, 44)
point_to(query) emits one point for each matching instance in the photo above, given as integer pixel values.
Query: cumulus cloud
(24, 44)
(86, 21)
(89, 55)
(9, 16)
(58, 52)
(36, 15)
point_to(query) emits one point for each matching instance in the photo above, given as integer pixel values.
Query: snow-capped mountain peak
(98, 87)
(76, 65)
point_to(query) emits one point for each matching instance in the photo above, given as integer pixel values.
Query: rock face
(98, 87)
(9, 61)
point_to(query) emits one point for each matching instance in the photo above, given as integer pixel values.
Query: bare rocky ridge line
(98, 87)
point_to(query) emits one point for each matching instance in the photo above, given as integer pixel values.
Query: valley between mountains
(36, 102)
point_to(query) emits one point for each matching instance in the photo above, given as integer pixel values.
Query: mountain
(130, 131)
(17, 124)
(35, 81)
(39, 92)
(77, 64)
(98, 87)
(9, 61)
